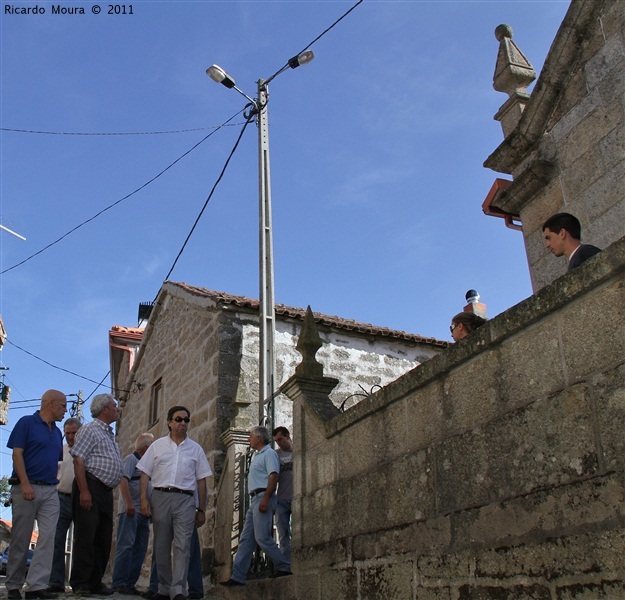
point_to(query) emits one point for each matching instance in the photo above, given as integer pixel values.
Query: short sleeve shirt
(42, 447)
(264, 462)
(133, 475)
(175, 465)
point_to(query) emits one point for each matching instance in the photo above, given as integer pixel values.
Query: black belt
(41, 483)
(174, 490)
(64, 493)
(97, 480)
(256, 491)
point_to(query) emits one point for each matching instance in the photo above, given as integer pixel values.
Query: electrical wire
(120, 200)
(210, 195)
(315, 40)
(8, 341)
(115, 132)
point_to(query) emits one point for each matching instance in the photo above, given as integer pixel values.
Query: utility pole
(79, 405)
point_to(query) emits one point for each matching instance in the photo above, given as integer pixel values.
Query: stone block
(390, 580)
(605, 61)
(608, 391)
(362, 446)
(546, 513)
(424, 424)
(445, 567)
(548, 202)
(439, 592)
(470, 394)
(308, 586)
(598, 198)
(540, 371)
(339, 583)
(612, 146)
(583, 138)
(531, 591)
(577, 114)
(554, 558)
(322, 556)
(612, 19)
(610, 590)
(582, 173)
(550, 442)
(592, 322)
(416, 538)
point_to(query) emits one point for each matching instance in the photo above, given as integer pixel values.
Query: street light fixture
(267, 359)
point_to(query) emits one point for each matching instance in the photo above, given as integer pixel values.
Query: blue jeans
(258, 530)
(57, 576)
(194, 576)
(132, 544)
(283, 525)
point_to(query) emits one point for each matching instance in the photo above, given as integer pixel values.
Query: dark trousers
(57, 576)
(93, 533)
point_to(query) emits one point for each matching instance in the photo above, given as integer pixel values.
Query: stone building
(564, 144)
(200, 349)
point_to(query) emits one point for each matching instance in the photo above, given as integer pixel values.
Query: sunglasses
(181, 419)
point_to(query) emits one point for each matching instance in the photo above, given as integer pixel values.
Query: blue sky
(377, 148)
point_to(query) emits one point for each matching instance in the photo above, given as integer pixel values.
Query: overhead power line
(8, 341)
(101, 133)
(120, 200)
(210, 195)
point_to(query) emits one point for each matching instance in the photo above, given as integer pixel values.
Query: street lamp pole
(267, 358)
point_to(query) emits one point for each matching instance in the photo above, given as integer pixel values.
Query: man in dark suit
(563, 233)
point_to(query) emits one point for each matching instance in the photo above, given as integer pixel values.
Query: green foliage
(5, 489)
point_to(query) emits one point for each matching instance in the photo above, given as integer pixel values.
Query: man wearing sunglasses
(178, 469)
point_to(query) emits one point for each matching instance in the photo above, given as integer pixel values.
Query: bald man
(37, 445)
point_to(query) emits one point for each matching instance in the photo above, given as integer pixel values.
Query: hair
(470, 321)
(143, 441)
(564, 221)
(174, 409)
(283, 430)
(72, 421)
(99, 402)
(262, 432)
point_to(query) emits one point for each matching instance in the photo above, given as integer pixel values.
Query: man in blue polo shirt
(262, 480)
(37, 445)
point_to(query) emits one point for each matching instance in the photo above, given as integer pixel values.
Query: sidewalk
(116, 596)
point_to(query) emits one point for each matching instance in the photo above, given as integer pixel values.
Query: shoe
(102, 590)
(15, 595)
(196, 596)
(125, 591)
(231, 583)
(81, 592)
(282, 573)
(148, 595)
(179, 597)
(56, 589)
(39, 595)
(133, 591)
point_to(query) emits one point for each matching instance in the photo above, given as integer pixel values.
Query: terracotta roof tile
(222, 298)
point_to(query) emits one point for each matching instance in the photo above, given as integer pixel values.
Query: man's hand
(145, 508)
(263, 504)
(130, 510)
(28, 493)
(85, 500)
(200, 518)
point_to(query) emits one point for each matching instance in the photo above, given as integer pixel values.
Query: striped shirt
(95, 445)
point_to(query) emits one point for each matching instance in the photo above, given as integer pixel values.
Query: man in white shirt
(64, 489)
(177, 467)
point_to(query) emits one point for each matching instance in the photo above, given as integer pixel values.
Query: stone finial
(513, 73)
(308, 344)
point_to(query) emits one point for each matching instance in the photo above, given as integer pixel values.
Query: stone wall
(495, 470)
(567, 153)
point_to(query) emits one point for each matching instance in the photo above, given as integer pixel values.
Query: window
(155, 403)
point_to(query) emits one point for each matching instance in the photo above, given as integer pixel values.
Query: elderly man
(178, 468)
(97, 470)
(37, 445)
(64, 490)
(133, 529)
(261, 482)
